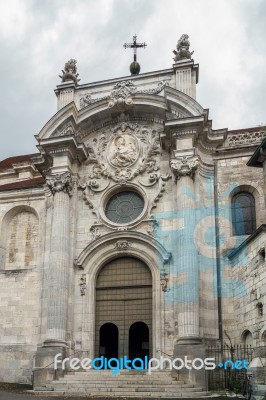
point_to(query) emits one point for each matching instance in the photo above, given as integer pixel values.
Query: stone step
(126, 383)
(136, 395)
(188, 387)
(119, 379)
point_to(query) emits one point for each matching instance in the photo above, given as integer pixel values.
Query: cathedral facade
(136, 229)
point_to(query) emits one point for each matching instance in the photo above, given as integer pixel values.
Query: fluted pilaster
(187, 293)
(61, 186)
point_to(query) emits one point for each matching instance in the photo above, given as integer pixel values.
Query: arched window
(248, 338)
(259, 307)
(243, 214)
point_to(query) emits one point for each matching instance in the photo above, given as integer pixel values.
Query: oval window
(124, 207)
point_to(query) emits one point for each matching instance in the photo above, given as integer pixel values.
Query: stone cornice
(129, 237)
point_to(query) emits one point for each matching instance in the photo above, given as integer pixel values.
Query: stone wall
(233, 175)
(20, 288)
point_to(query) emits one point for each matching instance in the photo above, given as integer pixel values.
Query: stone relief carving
(82, 284)
(70, 72)
(123, 151)
(121, 94)
(184, 166)
(130, 151)
(151, 227)
(245, 138)
(67, 129)
(122, 245)
(60, 183)
(164, 280)
(182, 48)
(95, 232)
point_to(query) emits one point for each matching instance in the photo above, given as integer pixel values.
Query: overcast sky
(38, 36)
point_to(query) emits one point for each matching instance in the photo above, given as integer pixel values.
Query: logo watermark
(146, 363)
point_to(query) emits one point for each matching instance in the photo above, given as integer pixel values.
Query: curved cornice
(156, 104)
(135, 237)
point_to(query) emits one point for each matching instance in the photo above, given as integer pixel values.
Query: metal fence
(227, 376)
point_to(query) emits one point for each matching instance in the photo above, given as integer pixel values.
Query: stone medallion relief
(127, 155)
(123, 150)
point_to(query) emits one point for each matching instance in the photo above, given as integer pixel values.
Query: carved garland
(121, 94)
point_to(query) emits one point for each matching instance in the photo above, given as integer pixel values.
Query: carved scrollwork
(82, 284)
(164, 281)
(60, 183)
(95, 232)
(122, 245)
(121, 95)
(131, 151)
(122, 151)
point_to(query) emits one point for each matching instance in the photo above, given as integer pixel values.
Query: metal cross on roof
(134, 46)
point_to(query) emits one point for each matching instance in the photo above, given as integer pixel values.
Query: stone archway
(123, 297)
(105, 249)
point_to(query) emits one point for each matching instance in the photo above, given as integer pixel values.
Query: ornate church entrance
(124, 309)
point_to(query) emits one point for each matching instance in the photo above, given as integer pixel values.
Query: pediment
(105, 111)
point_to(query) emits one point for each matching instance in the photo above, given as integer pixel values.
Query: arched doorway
(108, 340)
(138, 340)
(123, 297)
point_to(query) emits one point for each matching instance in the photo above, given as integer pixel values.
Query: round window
(124, 207)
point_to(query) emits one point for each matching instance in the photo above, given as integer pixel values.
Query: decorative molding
(95, 232)
(164, 281)
(245, 138)
(130, 151)
(129, 119)
(122, 245)
(60, 183)
(121, 95)
(184, 166)
(122, 152)
(82, 284)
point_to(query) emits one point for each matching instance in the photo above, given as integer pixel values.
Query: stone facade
(146, 138)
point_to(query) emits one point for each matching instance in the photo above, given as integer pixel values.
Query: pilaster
(184, 166)
(186, 77)
(61, 187)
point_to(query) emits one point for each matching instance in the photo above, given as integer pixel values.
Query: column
(187, 295)
(61, 186)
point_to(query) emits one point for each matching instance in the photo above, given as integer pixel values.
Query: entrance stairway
(158, 384)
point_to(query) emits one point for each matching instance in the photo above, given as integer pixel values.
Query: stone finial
(182, 48)
(184, 166)
(70, 72)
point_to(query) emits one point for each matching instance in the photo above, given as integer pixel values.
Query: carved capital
(60, 183)
(184, 166)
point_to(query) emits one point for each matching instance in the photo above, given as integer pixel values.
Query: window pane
(124, 207)
(243, 213)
